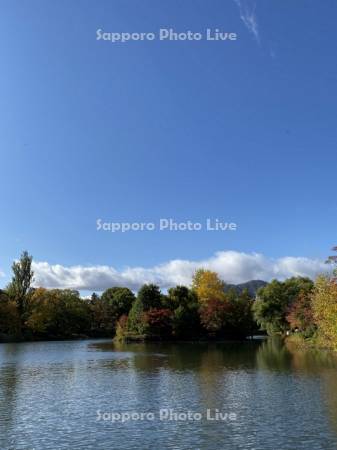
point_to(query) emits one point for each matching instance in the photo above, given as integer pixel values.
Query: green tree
(150, 297)
(19, 289)
(240, 320)
(9, 317)
(102, 321)
(136, 323)
(107, 309)
(147, 312)
(275, 299)
(58, 313)
(183, 302)
(120, 300)
(179, 296)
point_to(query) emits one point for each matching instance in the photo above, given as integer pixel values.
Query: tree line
(205, 310)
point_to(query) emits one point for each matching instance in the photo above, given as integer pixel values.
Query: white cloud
(2, 274)
(232, 266)
(248, 16)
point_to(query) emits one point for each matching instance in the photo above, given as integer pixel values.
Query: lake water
(264, 395)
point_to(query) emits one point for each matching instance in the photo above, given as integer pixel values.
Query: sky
(242, 131)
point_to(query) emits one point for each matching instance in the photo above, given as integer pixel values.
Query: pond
(94, 394)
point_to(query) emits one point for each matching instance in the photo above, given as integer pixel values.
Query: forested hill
(253, 286)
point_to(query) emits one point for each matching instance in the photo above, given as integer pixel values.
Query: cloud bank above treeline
(233, 267)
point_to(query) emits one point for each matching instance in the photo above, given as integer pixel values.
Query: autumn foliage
(300, 315)
(324, 305)
(206, 310)
(213, 315)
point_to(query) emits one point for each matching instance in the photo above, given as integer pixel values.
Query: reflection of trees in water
(273, 355)
(216, 374)
(329, 389)
(212, 372)
(279, 355)
(208, 358)
(9, 380)
(202, 357)
(314, 363)
(322, 364)
(311, 360)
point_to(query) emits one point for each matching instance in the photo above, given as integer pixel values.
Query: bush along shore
(302, 310)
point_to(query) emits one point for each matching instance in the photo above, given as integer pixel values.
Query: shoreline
(256, 338)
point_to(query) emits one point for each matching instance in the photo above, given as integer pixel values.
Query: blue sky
(241, 131)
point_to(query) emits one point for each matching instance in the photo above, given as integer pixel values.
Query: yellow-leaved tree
(324, 305)
(208, 286)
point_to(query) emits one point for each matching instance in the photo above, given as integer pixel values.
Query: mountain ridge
(252, 286)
